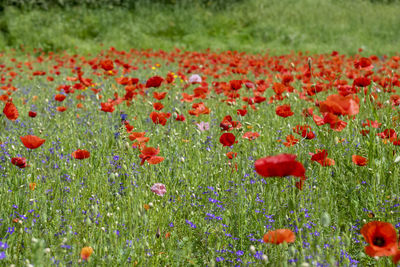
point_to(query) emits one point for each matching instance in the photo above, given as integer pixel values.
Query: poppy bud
(325, 219)
(158, 233)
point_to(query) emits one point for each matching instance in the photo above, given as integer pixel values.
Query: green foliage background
(252, 26)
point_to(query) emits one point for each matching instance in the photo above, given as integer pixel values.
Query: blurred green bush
(131, 4)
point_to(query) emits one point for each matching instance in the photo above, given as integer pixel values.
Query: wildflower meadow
(144, 156)
(188, 158)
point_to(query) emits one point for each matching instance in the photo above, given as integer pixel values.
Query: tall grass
(253, 26)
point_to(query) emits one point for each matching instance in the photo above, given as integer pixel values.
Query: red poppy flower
(322, 158)
(129, 127)
(149, 154)
(278, 88)
(362, 81)
(396, 257)
(235, 84)
(154, 82)
(280, 166)
(107, 65)
(304, 130)
(345, 90)
(242, 112)
(59, 97)
(159, 96)
(231, 154)
(227, 139)
(279, 236)
(170, 77)
(381, 237)
(284, 111)
(359, 160)
(388, 134)
(135, 135)
(32, 114)
(198, 109)
(160, 118)
(11, 111)
(180, 117)
(107, 107)
(228, 124)
(363, 63)
(81, 154)
(19, 162)
(259, 99)
(364, 132)
(307, 112)
(395, 100)
(290, 141)
(158, 106)
(31, 141)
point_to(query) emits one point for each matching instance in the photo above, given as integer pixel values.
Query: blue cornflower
(3, 245)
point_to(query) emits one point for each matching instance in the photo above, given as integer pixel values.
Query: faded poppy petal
(11, 111)
(381, 237)
(31, 141)
(86, 252)
(155, 160)
(279, 236)
(280, 166)
(159, 189)
(340, 105)
(227, 139)
(251, 135)
(81, 154)
(61, 109)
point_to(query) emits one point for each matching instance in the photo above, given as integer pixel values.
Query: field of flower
(176, 158)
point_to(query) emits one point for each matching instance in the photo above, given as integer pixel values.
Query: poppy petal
(11, 111)
(279, 236)
(31, 141)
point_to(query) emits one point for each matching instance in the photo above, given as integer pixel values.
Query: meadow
(203, 146)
